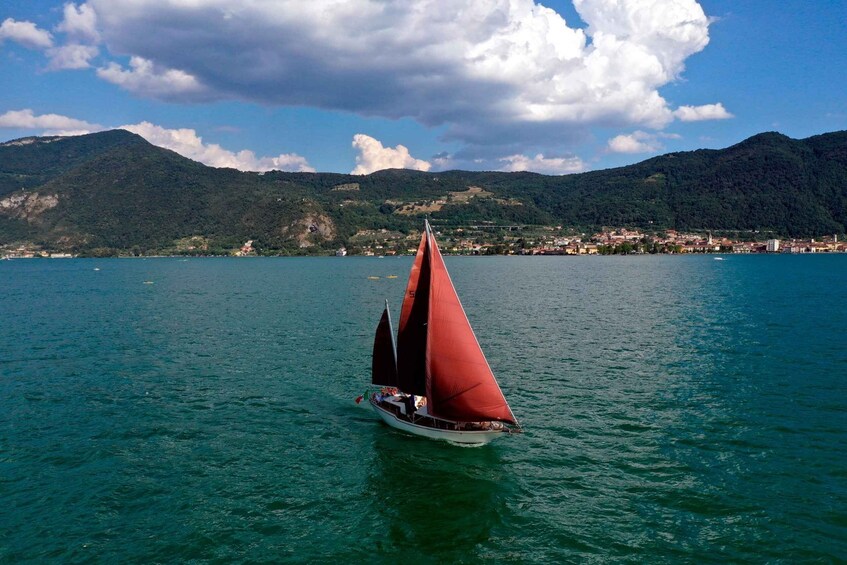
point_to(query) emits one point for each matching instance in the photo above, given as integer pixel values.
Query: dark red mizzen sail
(460, 385)
(412, 332)
(384, 363)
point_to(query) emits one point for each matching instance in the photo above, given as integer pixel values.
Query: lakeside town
(522, 240)
(518, 240)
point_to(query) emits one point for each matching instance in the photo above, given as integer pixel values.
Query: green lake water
(677, 409)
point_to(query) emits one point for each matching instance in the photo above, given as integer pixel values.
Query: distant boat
(391, 277)
(436, 381)
(718, 258)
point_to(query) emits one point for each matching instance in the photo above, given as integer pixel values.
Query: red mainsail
(459, 383)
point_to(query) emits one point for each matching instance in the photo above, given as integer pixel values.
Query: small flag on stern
(361, 397)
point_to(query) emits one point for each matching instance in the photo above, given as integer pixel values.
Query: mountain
(112, 191)
(31, 161)
(767, 182)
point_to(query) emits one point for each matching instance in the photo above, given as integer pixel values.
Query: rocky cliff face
(311, 228)
(31, 141)
(27, 206)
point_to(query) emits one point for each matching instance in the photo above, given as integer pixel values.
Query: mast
(459, 383)
(391, 334)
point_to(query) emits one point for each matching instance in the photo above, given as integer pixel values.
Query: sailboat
(435, 379)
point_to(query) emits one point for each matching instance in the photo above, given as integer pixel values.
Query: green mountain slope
(148, 197)
(115, 191)
(767, 182)
(30, 162)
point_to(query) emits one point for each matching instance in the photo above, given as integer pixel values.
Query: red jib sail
(459, 383)
(384, 362)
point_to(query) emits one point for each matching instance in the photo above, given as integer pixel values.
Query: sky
(355, 86)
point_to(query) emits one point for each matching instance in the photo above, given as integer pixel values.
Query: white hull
(464, 437)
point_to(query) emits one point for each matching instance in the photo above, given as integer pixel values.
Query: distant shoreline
(469, 255)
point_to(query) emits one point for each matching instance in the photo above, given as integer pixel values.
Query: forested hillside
(114, 192)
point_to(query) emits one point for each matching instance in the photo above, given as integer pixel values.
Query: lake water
(676, 409)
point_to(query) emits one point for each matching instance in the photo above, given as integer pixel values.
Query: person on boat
(410, 405)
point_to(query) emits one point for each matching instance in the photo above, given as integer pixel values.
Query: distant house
(246, 249)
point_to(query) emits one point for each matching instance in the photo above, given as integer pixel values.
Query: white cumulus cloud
(148, 79)
(72, 56)
(700, 113)
(374, 157)
(486, 71)
(187, 143)
(636, 142)
(639, 142)
(80, 23)
(25, 33)
(50, 123)
(544, 165)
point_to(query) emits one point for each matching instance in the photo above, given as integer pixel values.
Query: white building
(773, 245)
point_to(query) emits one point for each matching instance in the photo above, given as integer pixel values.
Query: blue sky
(359, 85)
